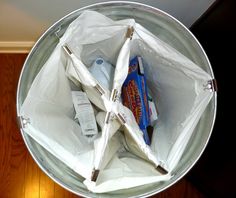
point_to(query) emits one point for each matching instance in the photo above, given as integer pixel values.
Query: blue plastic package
(135, 96)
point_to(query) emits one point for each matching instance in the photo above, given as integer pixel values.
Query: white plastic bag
(174, 80)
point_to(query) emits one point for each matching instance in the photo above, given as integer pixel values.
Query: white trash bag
(118, 157)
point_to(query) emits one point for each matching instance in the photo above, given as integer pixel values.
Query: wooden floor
(19, 175)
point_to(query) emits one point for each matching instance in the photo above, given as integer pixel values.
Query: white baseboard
(16, 46)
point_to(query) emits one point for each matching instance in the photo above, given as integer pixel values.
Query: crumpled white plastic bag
(178, 85)
(175, 82)
(48, 104)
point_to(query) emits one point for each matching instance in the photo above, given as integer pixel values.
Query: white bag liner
(176, 83)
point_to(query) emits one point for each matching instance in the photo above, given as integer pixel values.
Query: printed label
(84, 113)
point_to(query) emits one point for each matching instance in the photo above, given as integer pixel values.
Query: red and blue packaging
(135, 95)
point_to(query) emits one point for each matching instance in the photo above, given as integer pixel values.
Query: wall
(22, 22)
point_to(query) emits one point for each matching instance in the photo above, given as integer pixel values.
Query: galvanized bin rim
(135, 5)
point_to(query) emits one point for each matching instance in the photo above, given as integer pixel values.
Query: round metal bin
(166, 28)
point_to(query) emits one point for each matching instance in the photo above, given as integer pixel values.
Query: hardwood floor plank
(59, 192)
(12, 148)
(31, 178)
(46, 186)
(16, 173)
(62, 193)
